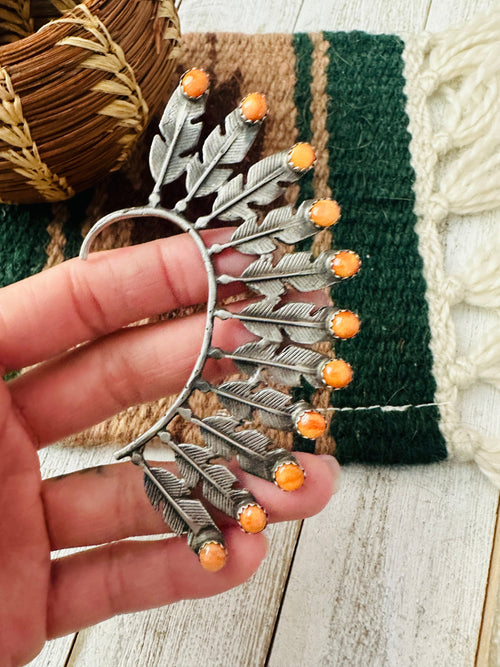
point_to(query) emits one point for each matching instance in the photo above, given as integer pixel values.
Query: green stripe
(303, 48)
(371, 176)
(23, 240)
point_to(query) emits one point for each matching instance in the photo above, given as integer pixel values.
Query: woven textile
(364, 102)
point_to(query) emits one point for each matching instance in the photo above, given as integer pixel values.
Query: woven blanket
(406, 132)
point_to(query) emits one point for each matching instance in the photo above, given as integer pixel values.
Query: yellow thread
(167, 10)
(108, 56)
(24, 155)
(63, 5)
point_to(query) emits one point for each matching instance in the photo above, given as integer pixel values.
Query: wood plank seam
(283, 596)
(485, 636)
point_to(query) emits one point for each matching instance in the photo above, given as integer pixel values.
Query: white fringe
(453, 104)
(479, 283)
(487, 456)
(482, 365)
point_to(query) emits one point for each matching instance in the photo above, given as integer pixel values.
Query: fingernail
(335, 469)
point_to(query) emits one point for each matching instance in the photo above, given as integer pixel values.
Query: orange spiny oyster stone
(289, 476)
(252, 518)
(253, 107)
(344, 324)
(345, 263)
(301, 156)
(337, 373)
(310, 424)
(324, 212)
(212, 556)
(195, 83)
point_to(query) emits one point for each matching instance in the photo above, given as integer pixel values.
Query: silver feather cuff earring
(285, 329)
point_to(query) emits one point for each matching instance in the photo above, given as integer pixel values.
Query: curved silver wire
(186, 226)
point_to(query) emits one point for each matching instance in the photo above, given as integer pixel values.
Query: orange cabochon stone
(311, 424)
(345, 324)
(195, 82)
(212, 556)
(289, 476)
(345, 263)
(252, 518)
(302, 156)
(325, 212)
(253, 107)
(337, 373)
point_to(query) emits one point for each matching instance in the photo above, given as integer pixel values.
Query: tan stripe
(266, 64)
(263, 63)
(323, 240)
(24, 155)
(55, 248)
(128, 107)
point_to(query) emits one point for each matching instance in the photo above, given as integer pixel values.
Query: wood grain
(233, 629)
(393, 572)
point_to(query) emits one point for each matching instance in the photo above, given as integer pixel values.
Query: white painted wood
(392, 573)
(239, 15)
(233, 629)
(54, 653)
(445, 13)
(371, 16)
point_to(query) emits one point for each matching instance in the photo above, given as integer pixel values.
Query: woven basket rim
(79, 91)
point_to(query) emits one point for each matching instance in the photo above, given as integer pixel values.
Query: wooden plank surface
(234, 628)
(394, 572)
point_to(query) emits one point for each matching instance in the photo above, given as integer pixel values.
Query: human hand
(89, 305)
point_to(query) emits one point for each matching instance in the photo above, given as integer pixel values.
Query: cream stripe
(425, 162)
(24, 155)
(108, 56)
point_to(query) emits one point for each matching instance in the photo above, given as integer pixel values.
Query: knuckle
(86, 303)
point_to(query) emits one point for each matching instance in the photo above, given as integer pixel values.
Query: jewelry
(174, 152)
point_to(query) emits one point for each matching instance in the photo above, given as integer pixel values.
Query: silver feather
(250, 356)
(265, 181)
(287, 366)
(281, 223)
(300, 321)
(296, 362)
(253, 238)
(275, 408)
(179, 133)
(297, 269)
(166, 492)
(219, 492)
(220, 149)
(269, 404)
(250, 447)
(217, 481)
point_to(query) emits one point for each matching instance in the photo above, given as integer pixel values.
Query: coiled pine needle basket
(78, 84)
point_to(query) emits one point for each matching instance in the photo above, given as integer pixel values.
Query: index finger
(78, 301)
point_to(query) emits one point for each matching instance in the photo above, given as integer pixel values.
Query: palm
(25, 544)
(42, 320)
